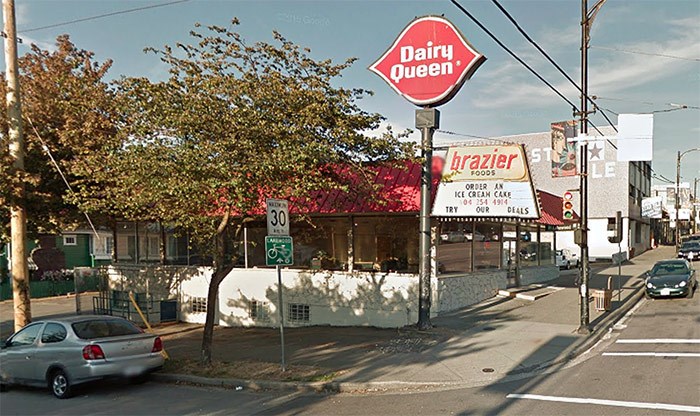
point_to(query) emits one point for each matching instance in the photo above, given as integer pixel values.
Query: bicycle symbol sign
(279, 251)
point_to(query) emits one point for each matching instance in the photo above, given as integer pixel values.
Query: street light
(678, 199)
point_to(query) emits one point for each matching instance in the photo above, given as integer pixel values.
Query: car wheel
(691, 290)
(647, 295)
(60, 385)
(3, 387)
(568, 265)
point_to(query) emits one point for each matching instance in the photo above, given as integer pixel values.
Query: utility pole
(586, 22)
(695, 203)
(678, 200)
(678, 193)
(18, 217)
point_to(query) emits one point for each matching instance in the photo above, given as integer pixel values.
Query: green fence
(47, 288)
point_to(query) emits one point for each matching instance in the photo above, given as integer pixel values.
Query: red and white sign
(486, 181)
(428, 62)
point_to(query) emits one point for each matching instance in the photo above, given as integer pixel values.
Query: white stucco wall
(333, 298)
(386, 300)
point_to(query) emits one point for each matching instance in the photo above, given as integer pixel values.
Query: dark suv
(690, 250)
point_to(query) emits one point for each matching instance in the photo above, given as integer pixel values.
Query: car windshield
(101, 328)
(690, 245)
(669, 268)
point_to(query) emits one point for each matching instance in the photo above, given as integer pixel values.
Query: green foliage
(233, 124)
(67, 107)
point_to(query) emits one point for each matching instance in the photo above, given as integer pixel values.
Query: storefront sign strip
(486, 199)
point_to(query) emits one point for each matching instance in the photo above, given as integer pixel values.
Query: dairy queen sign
(427, 65)
(428, 62)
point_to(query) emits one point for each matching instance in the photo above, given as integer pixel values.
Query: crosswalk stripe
(658, 341)
(617, 403)
(652, 354)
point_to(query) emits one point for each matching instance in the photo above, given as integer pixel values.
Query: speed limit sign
(277, 217)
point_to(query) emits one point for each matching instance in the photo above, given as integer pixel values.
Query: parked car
(475, 236)
(452, 237)
(671, 278)
(64, 352)
(566, 259)
(694, 237)
(689, 250)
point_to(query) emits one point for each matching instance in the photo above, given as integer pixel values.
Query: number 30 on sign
(277, 217)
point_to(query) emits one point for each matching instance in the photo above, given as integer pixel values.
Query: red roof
(551, 212)
(400, 192)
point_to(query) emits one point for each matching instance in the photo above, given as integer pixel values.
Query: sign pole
(280, 312)
(427, 120)
(619, 268)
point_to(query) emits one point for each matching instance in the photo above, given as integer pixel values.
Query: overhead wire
(60, 172)
(517, 58)
(646, 53)
(493, 37)
(85, 19)
(559, 68)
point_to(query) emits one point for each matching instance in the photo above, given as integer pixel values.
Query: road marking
(652, 354)
(617, 403)
(658, 341)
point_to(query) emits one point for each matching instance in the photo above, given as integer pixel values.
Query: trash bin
(603, 299)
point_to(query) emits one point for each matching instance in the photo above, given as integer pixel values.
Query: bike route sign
(279, 251)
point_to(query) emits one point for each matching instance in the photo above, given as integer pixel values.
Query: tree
(234, 124)
(67, 111)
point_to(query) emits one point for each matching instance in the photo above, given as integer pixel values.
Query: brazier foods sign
(486, 181)
(428, 62)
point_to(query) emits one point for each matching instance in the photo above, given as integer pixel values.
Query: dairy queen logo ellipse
(428, 62)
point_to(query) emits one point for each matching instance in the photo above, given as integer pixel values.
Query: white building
(613, 186)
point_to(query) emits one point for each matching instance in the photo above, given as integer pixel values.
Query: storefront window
(454, 245)
(528, 246)
(546, 248)
(385, 244)
(487, 246)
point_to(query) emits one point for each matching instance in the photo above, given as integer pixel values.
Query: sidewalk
(504, 338)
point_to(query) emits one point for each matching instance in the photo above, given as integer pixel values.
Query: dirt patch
(249, 370)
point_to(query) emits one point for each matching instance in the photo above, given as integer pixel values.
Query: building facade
(613, 186)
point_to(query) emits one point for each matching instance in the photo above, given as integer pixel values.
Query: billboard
(651, 207)
(486, 181)
(563, 149)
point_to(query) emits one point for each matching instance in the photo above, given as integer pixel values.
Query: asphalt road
(649, 365)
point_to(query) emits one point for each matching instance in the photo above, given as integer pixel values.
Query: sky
(644, 56)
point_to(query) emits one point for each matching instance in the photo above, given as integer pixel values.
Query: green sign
(279, 251)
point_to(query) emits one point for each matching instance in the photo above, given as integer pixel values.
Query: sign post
(279, 251)
(427, 64)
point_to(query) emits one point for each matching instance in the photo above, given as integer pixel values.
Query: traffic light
(568, 207)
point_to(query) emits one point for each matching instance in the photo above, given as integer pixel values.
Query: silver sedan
(61, 353)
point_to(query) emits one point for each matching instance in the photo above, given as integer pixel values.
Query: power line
(60, 172)
(463, 135)
(522, 32)
(517, 58)
(85, 19)
(646, 53)
(679, 106)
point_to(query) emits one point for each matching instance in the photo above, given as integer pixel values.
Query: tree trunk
(220, 272)
(212, 295)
